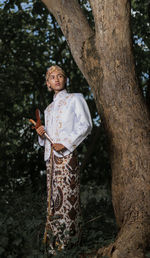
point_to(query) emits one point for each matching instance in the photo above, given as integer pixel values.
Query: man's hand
(58, 147)
(40, 130)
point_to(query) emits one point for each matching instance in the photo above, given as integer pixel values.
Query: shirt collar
(59, 95)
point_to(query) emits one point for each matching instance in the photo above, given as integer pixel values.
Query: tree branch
(73, 23)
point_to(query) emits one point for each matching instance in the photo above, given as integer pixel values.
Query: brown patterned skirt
(63, 198)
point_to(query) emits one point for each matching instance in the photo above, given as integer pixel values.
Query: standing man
(67, 122)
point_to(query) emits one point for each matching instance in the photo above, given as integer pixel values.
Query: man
(67, 122)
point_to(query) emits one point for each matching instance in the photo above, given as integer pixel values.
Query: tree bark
(105, 57)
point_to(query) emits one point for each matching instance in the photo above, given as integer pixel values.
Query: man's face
(56, 81)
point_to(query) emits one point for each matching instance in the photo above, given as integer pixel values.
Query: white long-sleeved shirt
(67, 121)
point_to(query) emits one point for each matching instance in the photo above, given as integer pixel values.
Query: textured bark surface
(106, 60)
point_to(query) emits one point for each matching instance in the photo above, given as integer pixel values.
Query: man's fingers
(40, 130)
(58, 146)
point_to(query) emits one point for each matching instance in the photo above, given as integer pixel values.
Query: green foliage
(22, 222)
(141, 33)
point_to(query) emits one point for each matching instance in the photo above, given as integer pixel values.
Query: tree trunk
(105, 58)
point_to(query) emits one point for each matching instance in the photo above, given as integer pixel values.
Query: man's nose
(56, 78)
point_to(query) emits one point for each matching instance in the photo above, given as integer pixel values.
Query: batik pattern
(63, 217)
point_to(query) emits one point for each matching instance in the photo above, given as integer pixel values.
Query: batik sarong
(63, 212)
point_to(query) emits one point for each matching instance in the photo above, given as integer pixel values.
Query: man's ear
(48, 84)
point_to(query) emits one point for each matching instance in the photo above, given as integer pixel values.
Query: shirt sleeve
(82, 124)
(41, 141)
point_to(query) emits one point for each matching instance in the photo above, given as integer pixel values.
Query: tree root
(130, 243)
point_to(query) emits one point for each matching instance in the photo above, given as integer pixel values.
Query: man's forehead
(56, 72)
